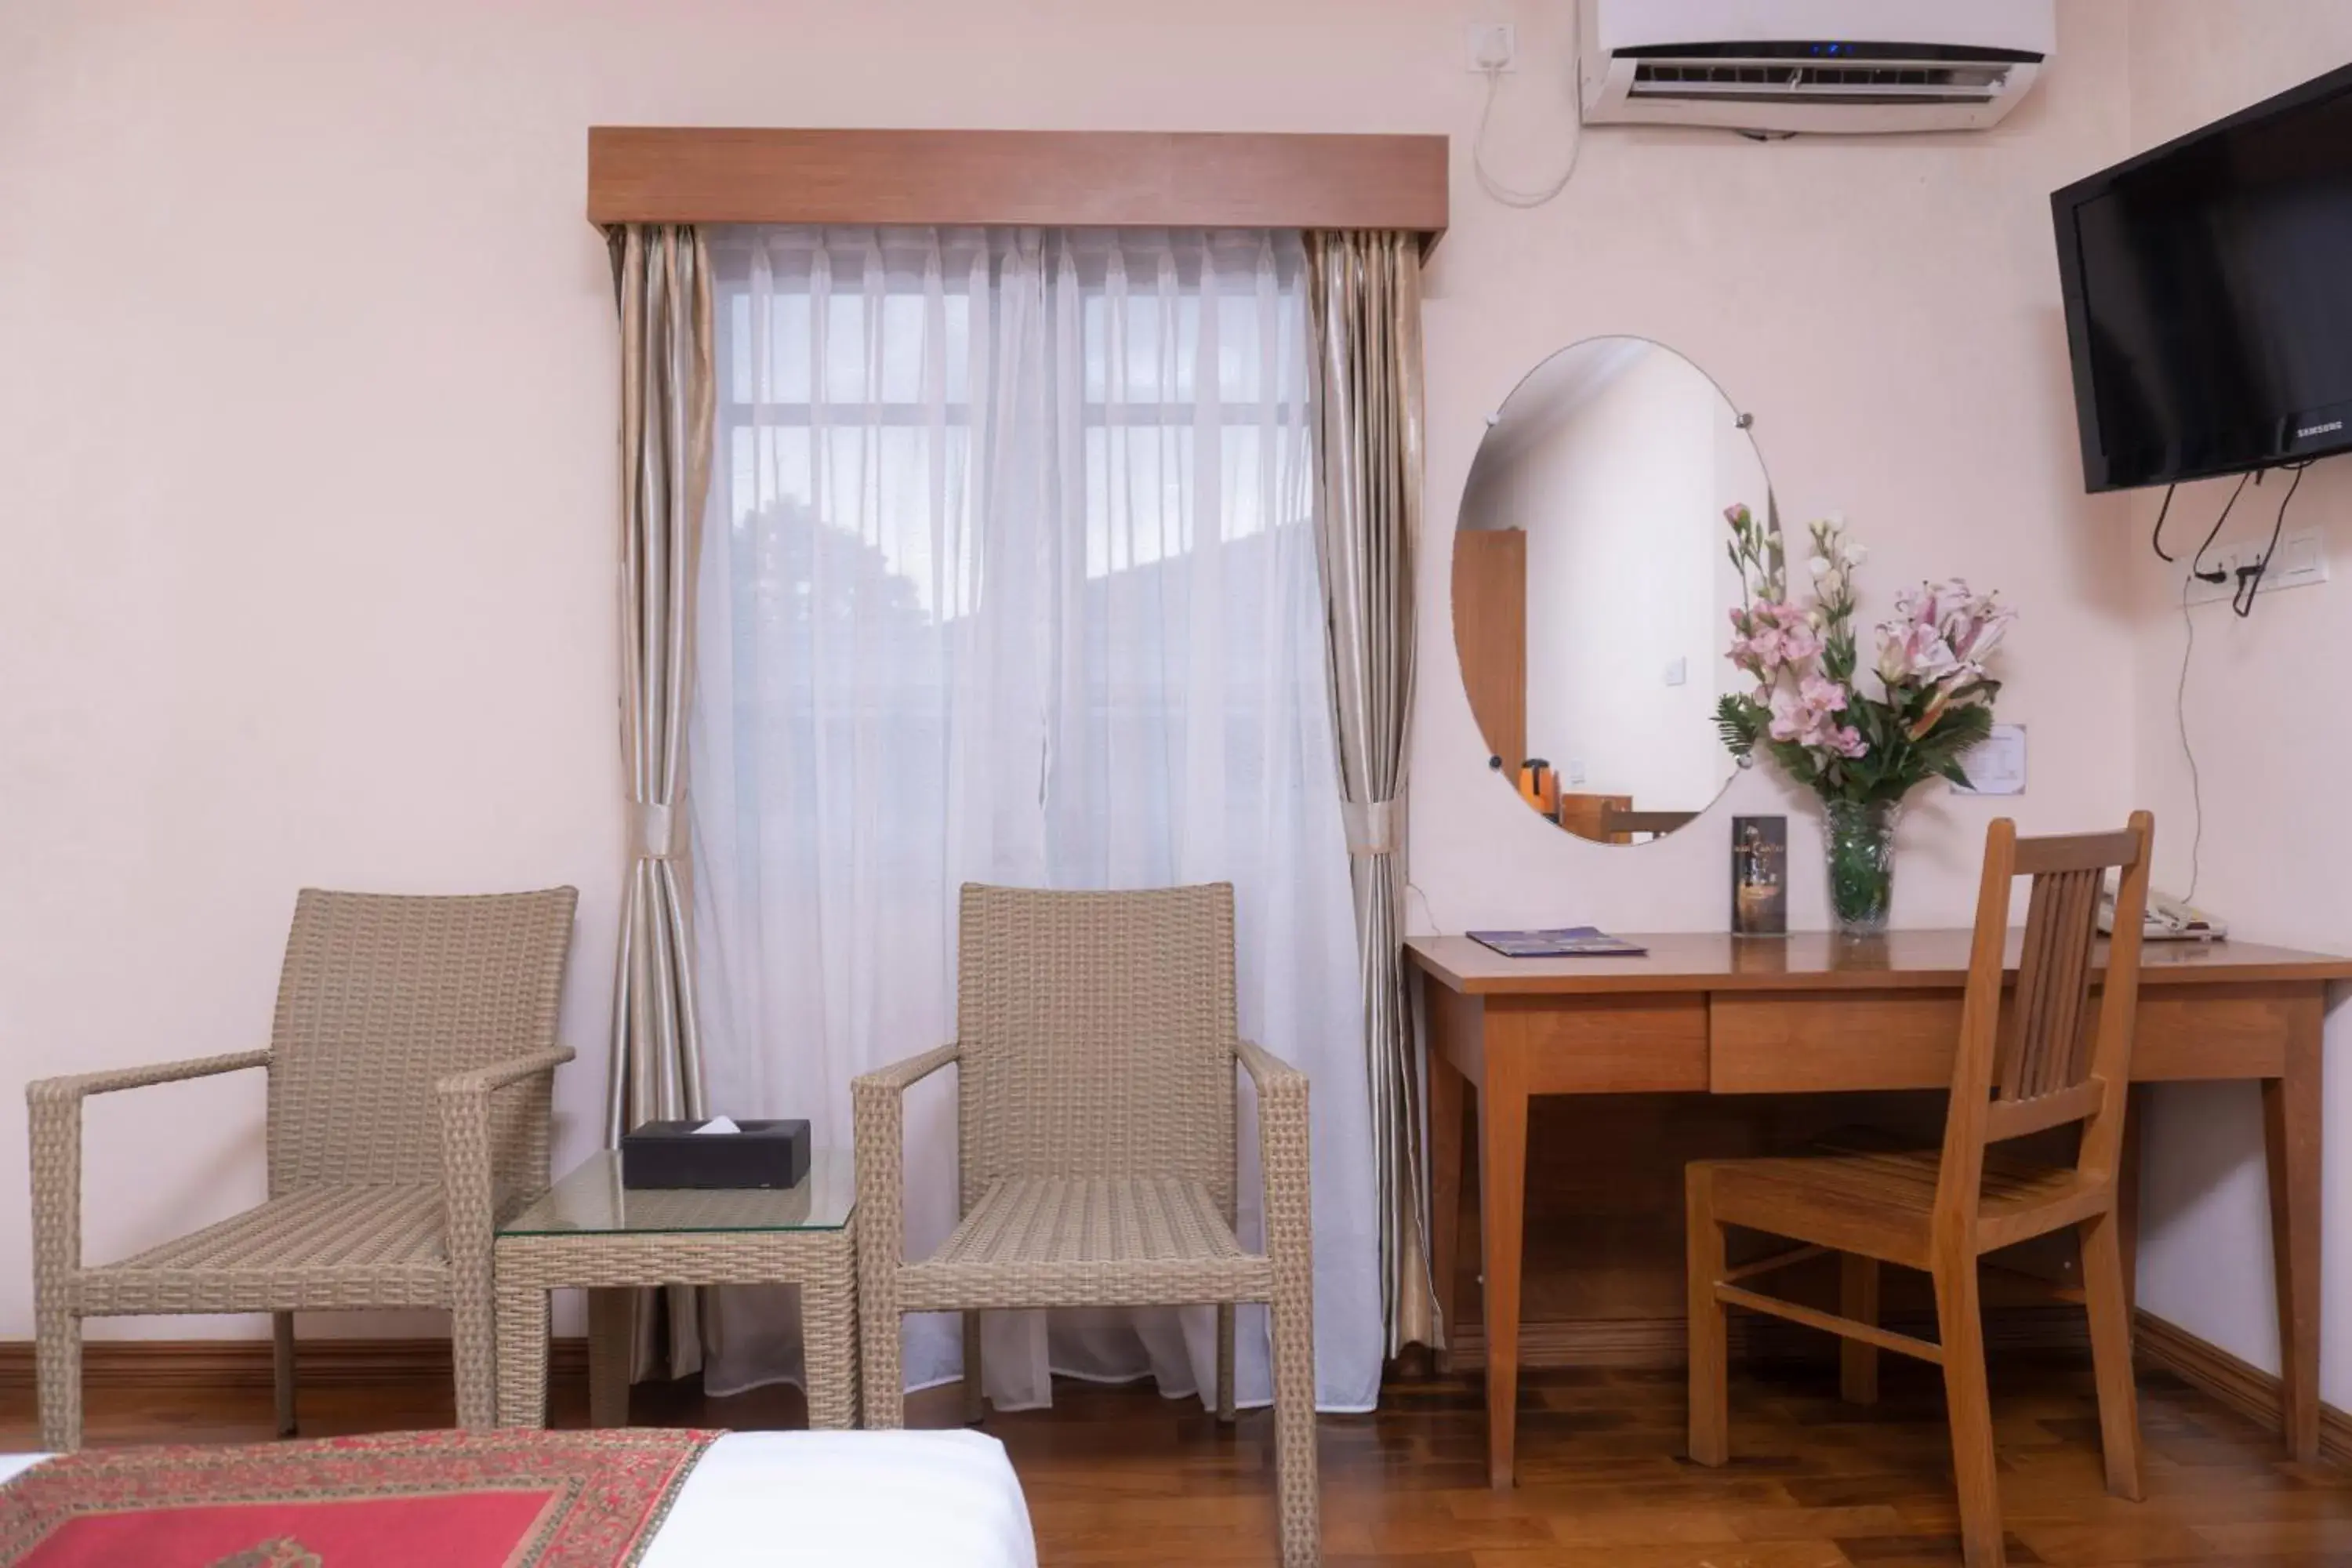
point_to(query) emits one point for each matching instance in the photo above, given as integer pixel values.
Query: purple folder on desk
(1568, 942)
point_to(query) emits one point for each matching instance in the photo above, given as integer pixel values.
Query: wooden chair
(1586, 815)
(2014, 1075)
(1620, 823)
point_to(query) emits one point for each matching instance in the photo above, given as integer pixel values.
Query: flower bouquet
(1862, 754)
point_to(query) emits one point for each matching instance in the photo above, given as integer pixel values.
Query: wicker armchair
(411, 1065)
(1096, 1055)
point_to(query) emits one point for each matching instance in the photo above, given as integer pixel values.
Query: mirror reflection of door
(1592, 591)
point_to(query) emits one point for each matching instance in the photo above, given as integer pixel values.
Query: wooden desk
(1718, 1014)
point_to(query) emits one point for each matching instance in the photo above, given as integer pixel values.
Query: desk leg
(2290, 1131)
(1446, 1088)
(1502, 1201)
(612, 1330)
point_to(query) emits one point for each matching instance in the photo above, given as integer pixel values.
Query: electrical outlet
(1575, 771)
(1490, 47)
(2301, 561)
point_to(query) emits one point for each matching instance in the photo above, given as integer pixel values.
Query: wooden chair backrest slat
(2022, 1068)
(2040, 1047)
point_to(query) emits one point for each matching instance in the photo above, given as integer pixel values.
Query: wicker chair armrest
(498, 1075)
(55, 1108)
(877, 1104)
(469, 1177)
(1282, 1152)
(71, 1089)
(1272, 1075)
(899, 1076)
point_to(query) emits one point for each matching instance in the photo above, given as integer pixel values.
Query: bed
(877, 1499)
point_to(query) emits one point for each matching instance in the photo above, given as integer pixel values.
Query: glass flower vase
(1859, 837)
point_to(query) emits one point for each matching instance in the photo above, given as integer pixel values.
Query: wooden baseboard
(140, 1364)
(2239, 1384)
(1659, 1343)
(1646, 1343)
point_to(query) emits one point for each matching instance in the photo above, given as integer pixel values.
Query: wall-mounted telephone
(2167, 920)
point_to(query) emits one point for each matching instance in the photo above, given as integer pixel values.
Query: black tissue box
(673, 1155)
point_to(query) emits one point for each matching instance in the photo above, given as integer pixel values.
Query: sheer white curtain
(1008, 578)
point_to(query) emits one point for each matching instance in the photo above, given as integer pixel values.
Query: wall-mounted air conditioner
(1851, 66)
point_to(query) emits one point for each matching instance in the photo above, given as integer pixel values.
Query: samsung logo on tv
(2310, 430)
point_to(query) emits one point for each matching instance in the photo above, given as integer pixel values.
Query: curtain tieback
(1374, 826)
(650, 829)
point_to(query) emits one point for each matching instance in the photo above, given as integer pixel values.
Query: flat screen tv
(2209, 295)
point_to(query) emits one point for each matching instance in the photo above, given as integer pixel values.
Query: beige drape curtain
(661, 274)
(1364, 312)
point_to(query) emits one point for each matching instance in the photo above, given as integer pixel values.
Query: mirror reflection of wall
(1591, 588)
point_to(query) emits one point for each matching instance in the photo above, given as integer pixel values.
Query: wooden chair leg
(1710, 1391)
(1960, 1322)
(2107, 1293)
(1858, 1299)
(1225, 1362)
(281, 1369)
(975, 1397)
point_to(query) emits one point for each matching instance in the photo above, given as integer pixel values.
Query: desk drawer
(1603, 1044)
(2186, 1032)
(1801, 1041)
(1830, 1040)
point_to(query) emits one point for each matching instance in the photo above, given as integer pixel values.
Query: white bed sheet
(877, 1500)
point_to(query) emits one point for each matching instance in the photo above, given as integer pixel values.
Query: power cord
(2250, 578)
(2155, 540)
(2242, 602)
(2196, 564)
(1513, 196)
(2197, 573)
(2180, 721)
(1427, 908)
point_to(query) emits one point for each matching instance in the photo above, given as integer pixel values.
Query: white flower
(1821, 565)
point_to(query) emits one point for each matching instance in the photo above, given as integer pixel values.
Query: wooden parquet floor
(1119, 1477)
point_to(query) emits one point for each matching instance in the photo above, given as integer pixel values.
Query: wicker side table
(589, 1233)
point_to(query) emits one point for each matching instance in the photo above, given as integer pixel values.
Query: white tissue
(717, 1125)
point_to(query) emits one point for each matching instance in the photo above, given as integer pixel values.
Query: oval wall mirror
(1592, 591)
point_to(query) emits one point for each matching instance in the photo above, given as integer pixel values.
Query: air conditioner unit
(1849, 65)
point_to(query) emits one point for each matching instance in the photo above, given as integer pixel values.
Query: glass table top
(591, 1200)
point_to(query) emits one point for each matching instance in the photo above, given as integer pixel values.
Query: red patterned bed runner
(453, 1500)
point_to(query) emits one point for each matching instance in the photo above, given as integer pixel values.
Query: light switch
(1677, 671)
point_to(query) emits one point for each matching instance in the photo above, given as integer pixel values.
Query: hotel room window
(1009, 576)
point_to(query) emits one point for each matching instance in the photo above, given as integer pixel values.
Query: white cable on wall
(1513, 195)
(2180, 722)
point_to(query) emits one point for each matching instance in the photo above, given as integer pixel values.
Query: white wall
(307, 425)
(2270, 717)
